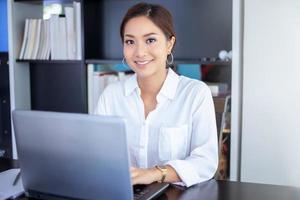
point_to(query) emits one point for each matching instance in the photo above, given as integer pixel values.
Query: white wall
(271, 92)
(236, 89)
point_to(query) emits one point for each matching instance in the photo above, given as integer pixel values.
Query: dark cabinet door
(58, 87)
(5, 121)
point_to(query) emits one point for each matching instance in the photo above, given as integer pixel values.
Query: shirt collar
(130, 85)
(168, 89)
(170, 85)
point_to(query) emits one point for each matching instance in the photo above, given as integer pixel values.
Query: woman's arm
(202, 162)
(150, 175)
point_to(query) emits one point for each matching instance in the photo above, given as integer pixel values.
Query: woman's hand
(144, 176)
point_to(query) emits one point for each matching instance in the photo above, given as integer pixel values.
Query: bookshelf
(203, 29)
(101, 44)
(52, 85)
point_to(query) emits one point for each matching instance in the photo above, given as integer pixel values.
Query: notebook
(9, 188)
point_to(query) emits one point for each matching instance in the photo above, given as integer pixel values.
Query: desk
(6, 163)
(215, 190)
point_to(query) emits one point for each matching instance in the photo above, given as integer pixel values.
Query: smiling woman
(171, 120)
(157, 36)
(146, 49)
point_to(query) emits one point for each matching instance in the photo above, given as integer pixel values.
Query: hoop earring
(123, 62)
(172, 59)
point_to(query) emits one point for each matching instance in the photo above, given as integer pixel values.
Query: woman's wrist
(156, 174)
(164, 171)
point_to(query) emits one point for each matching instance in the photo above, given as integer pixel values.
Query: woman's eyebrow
(128, 35)
(146, 35)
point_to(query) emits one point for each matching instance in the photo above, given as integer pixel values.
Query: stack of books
(58, 38)
(99, 77)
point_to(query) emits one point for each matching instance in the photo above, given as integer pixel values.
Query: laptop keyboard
(147, 192)
(139, 191)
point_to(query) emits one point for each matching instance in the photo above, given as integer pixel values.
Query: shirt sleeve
(202, 162)
(101, 107)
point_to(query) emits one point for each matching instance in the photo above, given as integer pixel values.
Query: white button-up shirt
(180, 131)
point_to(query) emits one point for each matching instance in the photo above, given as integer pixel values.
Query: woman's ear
(170, 44)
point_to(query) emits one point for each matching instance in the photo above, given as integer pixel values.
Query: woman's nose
(140, 50)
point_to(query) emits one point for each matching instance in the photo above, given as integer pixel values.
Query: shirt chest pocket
(173, 142)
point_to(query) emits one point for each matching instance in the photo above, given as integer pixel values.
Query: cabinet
(5, 128)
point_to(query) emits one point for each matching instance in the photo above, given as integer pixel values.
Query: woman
(170, 119)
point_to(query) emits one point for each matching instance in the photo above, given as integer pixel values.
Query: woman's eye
(129, 42)
(151, 40)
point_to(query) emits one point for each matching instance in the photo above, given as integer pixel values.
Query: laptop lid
(73, 155)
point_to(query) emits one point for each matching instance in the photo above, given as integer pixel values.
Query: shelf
(103, 61)
(52, 61)
(117, 61)
(181, 61)
(29, 1)
(201, 62)
(218, 62)
(186, 61)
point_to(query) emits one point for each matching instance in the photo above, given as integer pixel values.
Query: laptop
(75, 156)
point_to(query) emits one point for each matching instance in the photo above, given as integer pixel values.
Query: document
(9, 186)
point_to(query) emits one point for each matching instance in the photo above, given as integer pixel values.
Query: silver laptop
(75, 156)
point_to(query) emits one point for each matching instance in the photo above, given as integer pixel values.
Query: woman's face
(146, 47)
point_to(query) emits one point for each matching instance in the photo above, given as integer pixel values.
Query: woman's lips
(143, 62)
